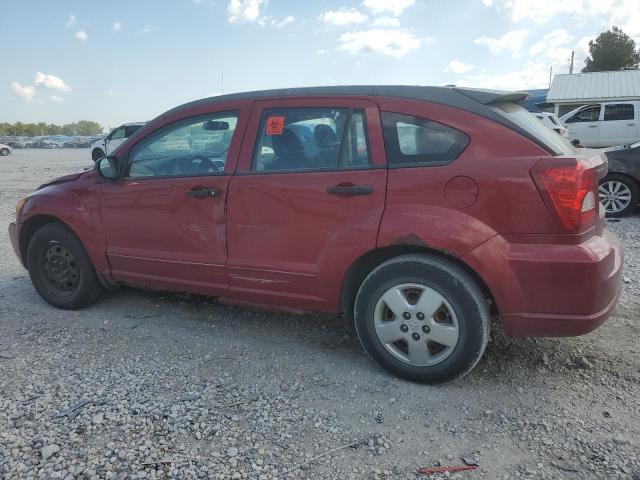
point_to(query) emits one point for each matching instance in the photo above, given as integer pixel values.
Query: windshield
(530, 124)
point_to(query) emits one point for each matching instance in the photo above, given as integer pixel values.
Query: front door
(584, 125)
(306, 201)
(165, 221)
(619, 125)
(114, 140)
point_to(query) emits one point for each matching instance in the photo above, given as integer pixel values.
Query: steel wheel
(615, 196)
(61, 269)
(416, 324)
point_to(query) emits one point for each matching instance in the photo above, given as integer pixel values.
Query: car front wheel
(96, 154)
(618, 195)
(422, 318)
(4, 152)
(60, 268)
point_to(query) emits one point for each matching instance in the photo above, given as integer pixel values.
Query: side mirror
(108, 167)
(215, 125)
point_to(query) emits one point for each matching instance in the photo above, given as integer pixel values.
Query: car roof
(134, 124)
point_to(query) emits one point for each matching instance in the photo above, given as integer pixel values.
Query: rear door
(619, 124)
(584, 125)
(306, 201)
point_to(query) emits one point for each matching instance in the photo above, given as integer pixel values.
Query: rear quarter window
(416, 141)
(553, 142)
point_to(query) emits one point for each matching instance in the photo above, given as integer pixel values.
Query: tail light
(569, 188)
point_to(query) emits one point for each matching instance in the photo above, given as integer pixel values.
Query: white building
(571, 91)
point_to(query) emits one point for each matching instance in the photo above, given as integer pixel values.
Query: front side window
(196, 146)
(590, 114)
(412, 140)
(131, 129)
(117, 134)
(311, 139)
(618, 111)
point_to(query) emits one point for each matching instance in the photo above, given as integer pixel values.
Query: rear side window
(618, 111)
(413, 140)
(295, 139)
(533, 127)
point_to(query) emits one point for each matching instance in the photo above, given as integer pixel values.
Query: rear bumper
(15, 242)
(550, 290)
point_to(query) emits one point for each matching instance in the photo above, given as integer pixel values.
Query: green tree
(612, 50)
(83, 127)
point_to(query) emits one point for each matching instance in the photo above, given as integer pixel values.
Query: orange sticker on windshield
(275, 125)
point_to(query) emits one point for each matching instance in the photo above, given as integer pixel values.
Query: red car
(417, 211)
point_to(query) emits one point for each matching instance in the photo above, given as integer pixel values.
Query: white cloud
(387, 42)
(81, 35)
(386, 22)
(322, 51)
(146, 29)
(117, 25)
(244, 10)
(286, 21)
(456, 66)
(338, 18)
(71, 22)
(391, 7)
(56, 99)
(50, 81)
(509, 42)
(26, 92)
(623, 13)
(552, 47)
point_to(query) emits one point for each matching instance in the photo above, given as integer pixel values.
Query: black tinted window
(311, 139)
(414, 140)
(131, 129)
(618, 111)
(590, 114)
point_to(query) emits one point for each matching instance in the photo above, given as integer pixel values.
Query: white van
(607, 124)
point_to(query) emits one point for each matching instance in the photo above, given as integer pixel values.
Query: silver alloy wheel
(416, 324)
(615, 196)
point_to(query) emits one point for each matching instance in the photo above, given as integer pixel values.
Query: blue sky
(123, 61)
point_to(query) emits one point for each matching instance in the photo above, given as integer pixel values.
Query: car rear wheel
(96, 154)
(4, 152)
(422, 318)
(60, 268)
(618, 195)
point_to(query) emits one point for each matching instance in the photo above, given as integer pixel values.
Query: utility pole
(571, 64)
(222, 83)
(550, 75)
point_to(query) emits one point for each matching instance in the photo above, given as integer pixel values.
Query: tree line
(83, 127)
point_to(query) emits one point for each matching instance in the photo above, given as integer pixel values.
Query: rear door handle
(593, 126)
(350, 190)
(201, 192)
(631, 124)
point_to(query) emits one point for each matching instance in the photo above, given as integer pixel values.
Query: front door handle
(631, 124)
(350, 190)
(593, 126)
(203, 192)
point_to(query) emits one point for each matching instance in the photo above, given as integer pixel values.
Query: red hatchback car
(416, 211)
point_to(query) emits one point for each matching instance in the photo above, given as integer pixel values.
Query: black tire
(633, 188)
(96, 154)
(456, 286)
(4, 152)
(86, 287)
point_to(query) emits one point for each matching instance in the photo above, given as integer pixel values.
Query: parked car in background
(4, 149)
(619, 190)
(393, 206)
(604, 124)
(108, 144)
(77, 143)
(551, 121)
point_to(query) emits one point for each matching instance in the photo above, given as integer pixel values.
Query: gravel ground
(151, 385)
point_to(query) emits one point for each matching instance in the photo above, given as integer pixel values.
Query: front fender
(76, 204)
